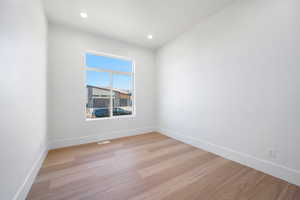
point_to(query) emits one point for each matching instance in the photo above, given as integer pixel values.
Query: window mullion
(111, 94)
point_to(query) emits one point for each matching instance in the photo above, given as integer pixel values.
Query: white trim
(133, 89)
(108, 71)
(113, 117)
(59, 143)
(277, 170)
(100, 53)
(26, 186)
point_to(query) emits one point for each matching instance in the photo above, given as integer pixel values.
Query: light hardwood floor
(151, 167)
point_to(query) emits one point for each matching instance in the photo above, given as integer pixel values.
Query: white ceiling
(132, 20)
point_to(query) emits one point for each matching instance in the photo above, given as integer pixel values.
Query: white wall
(231, 85)
(67, 124)
(23, 93)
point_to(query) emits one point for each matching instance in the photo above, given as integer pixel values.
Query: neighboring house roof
(104, 88)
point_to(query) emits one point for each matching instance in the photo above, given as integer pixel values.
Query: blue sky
(101, 79)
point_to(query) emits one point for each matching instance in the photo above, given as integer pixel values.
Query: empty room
(150, 100)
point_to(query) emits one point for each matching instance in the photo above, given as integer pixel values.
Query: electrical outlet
(272, 154)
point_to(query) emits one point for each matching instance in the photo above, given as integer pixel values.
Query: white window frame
(111, 72)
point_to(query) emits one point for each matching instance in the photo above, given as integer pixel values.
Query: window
(109, 86)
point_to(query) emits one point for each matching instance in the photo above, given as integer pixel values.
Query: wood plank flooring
(151, 167)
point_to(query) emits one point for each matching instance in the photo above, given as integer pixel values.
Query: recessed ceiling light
(83, 14)
(149, 37)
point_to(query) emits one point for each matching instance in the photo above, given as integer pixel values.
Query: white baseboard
(26, 186)
(271, 168)
(54, 144)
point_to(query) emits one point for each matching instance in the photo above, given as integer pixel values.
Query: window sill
(108, 118)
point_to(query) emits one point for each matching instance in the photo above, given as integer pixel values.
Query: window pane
(99, 79)
(98, 94)
(122, 95)
(104, 62)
